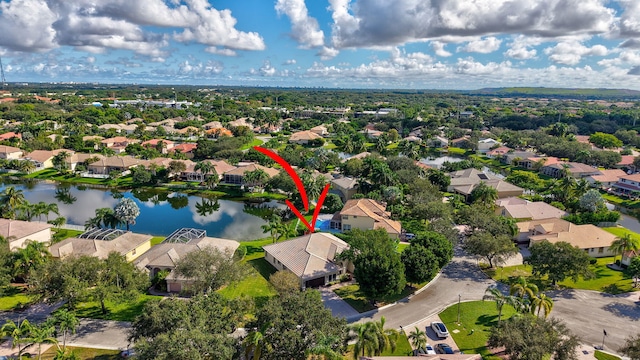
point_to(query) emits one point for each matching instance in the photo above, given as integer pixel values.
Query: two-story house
(366, 214)
(627, 185)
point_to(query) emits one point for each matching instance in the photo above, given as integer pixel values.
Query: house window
(600, 250)
(355, 217)
(345, 217)
(591, 250)
(346, 227)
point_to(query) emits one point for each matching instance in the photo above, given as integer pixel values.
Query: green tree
(631, 347)
(525, 291)
(437, 243)
(378, 267)
(559, 261)
(42, 334)
(542, 303)
(420, 264)
(592, 201)
(126, 211)
(634, 270)
(605, 141)
(484, 194)
(60, 161)
(273, 227)
(29, 258)
(204, 167)
(19, 334)
(496, 249)
(209, 269)
(532, 338)
(624, 244)
(418, 338)
(67, 323)
(285, 282)
(176, 167)
(255, 178)
(372, 338)
(118, 280)
(10, 199)
(492, 293)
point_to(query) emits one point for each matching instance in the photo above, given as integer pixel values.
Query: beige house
(212, 125)
(345, 187)
(236, 176)
(129, 244)
(153, 143)
(464, 181)
(366, 214)
(522, 209)
(165, 256)
(118, 144)
(590, 238)
(79, 158)
(10, 152)
(575, 170)
(220, 166)
(311, 257)
(360, 156)
(43, 159)
(303, 137)
(606, 178)
(106, 165)
(18, 232)
(320, 130)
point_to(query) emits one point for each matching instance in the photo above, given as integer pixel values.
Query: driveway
(338, 307)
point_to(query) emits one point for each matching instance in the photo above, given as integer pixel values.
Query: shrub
(593, 261)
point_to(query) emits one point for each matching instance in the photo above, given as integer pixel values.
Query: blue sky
(417, 44)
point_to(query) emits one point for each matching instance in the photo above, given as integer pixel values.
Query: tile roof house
(212, 125)
(79, 158)
(185, 148)
(236, 176)
(43, 159)
(118, 143)
(497, 153)
(361, 155)
(165, 256)
(484, 145)
(242, 122)
(320, 130)
(606, 178)
(589, 238)
(311, 257)
(626, 162)
(130, 245)
(345, 187)
(108, 164)
(303, 137)
(10, 152)
(366, 214)
(153, 143)
(627, 184)
(18, 232)
(464, 181)
(574, 169)
(221, 167)
(9, 135)
(509, 156)
(522, 209)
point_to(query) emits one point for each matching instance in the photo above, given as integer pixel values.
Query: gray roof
(345, 182)
(98, 248)
(309, 256)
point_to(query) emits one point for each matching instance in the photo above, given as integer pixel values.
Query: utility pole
(459, 296)
(2, 78)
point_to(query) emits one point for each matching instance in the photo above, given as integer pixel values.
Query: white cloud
(289, 62)
(304, 28)
(483, 46)
(201, 69)
(266, 69)
(363, 23)
(629, 24)
(220, 51)
(34, 20)
(571, 52)
(438, 48)
(519, 48)
(328, 53)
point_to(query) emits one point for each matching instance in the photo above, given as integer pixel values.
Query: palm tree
(27, 210)
(484, 194)
(494, 294)
(273, 227)
(19, 333)
(255, 178)
(58, 222)
(60, 160)
(522, 289)
(373, 338)
(204, 167)
(26, 166)
(255, 343)
(542, 302)
(10, 199)
(418, 338)
(50, 208)
(67, 323)
(30, 257)
(213, 179)
(624, 244)
(42, 334)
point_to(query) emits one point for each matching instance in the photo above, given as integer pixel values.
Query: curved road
(587, 313)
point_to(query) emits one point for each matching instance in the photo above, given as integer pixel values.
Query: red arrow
(303, 193)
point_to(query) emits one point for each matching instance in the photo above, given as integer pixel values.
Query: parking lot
(432, 338)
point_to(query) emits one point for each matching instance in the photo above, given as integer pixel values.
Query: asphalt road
(586, 313)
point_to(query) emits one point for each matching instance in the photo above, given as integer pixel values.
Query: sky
(399, 44)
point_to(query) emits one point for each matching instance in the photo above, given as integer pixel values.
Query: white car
(440, 330)
(429, 350)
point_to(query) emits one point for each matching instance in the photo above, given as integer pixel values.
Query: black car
(443, 348)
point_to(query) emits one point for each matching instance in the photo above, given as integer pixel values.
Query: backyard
(85, 353)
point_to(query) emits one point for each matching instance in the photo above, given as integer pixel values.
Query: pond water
(437, 162)
(160, 212)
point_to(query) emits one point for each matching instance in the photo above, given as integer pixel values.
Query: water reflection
(160, 212)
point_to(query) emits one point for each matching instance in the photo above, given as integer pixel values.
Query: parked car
(440, 330)
(128, 353)
(409, 236)
(443, 348)
(429, 350)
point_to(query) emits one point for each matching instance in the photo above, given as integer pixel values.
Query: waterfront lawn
(606, 280)
(14, 297)
(476, 320)
(157, 240)
(61, 234)
(126, 311)
(84, 353)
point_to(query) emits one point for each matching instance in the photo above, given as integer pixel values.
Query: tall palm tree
(58, 222)
(484, 194)
(30, 257)
(42, 334)
(273, 227)
(27, 210)
(18, 332)
(542, 302)
(624, 244)
(50, 208)
(373, 338)
(67, 323)
(494, 294)
(10, 199)
(204, 167)
(525, 291)
(418, 338)
(255, 177)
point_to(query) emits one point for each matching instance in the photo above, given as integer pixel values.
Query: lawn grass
(401, 247)
(476, 320)
(255, 142)
(61, 234)
(619, 231)
(14, 297)
(126, 311)
(456, 151)
(403, 348)
(604, 356)
(606, 280)
(627, 203)
(354, 297)
(157, 240)
(84, 353)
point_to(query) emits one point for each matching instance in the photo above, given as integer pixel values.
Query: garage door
(314, 282)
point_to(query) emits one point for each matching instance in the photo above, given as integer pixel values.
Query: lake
(160, 212)
(437, 162)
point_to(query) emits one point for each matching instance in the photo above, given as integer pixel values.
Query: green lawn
(255, 142)
(61, 234)
(121, 312)
(476, 320)
(604, 356)
(401, 247)
(630, 204)
(354, 297)
(606, 280)
(403, 348)
(620, 232)
(157, 240)
(14, 297)
(84, 353)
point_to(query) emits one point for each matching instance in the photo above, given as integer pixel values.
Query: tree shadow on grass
(262, 266)
(487, 320)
